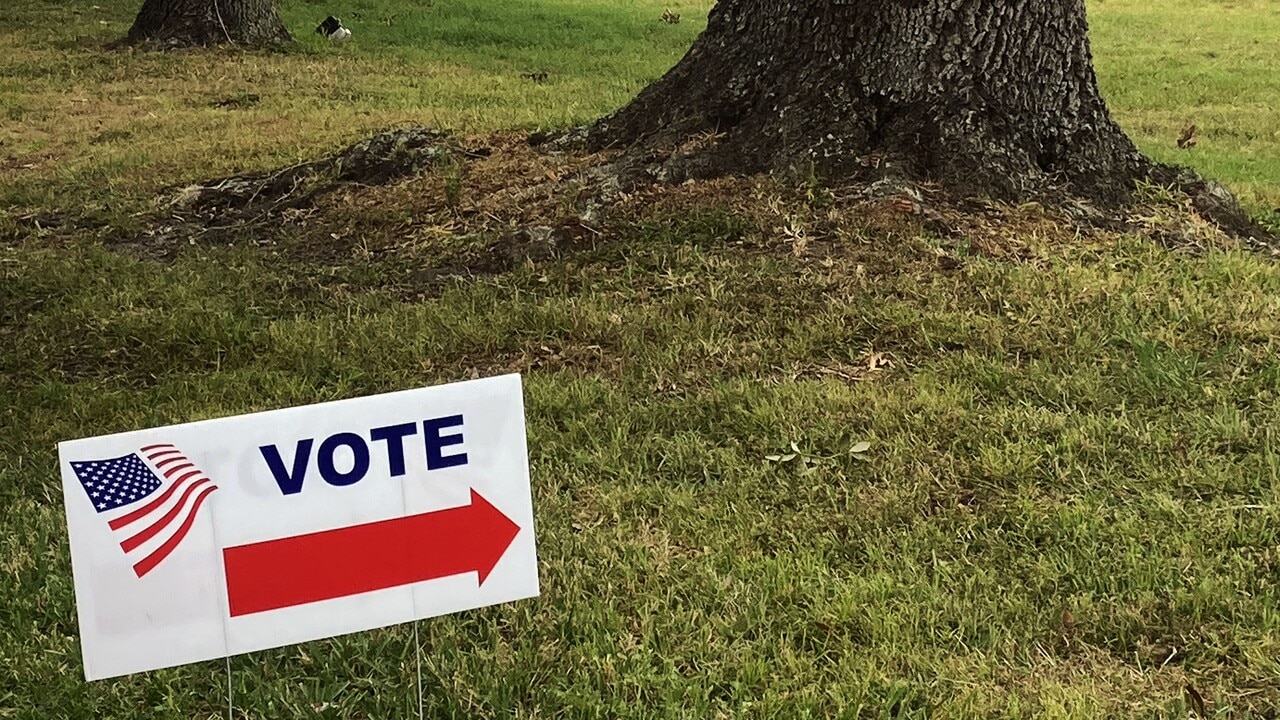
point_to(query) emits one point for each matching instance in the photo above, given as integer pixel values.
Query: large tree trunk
(208, 22)
(985, 97)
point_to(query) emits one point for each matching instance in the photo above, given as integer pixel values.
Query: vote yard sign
(213, 538)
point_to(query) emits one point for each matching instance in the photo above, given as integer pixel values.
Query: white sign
(209, 539)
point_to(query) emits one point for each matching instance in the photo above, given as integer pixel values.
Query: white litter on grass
(332, 28)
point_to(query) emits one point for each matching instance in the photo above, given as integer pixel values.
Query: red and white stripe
(154, 529)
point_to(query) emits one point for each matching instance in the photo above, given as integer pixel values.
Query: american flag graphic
(151, 498)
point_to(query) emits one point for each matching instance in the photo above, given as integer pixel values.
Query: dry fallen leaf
(1188, 137)
(1196, 701)
(876, 360)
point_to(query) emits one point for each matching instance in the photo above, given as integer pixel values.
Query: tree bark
(985, 97)
(254, 23)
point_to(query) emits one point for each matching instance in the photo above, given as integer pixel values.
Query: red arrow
(351, 560)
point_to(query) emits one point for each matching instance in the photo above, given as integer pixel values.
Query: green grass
(111, 128)
(1209, 63)
(1092, 427)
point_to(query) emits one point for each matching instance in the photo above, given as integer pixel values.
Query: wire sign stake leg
(417, 650)
(230, 707)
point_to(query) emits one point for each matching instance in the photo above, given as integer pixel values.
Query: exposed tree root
(510, 194)
(380, 159)
(698, 158)
(245, 203)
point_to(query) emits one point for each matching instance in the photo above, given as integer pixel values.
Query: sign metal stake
(417, 646)
(230, 707)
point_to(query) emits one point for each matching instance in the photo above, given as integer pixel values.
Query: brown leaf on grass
(1195, 701)
(1188, 138)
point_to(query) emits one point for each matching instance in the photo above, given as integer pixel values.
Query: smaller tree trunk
(254, 23)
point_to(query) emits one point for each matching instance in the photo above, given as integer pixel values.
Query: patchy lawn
(1067, 504)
